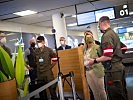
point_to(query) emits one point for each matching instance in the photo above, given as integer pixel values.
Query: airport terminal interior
(70, 19)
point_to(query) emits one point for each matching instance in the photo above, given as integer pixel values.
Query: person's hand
(30, 68)
(90, 61)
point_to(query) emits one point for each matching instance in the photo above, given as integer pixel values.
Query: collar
(107, 30)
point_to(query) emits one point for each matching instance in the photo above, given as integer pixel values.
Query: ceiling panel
(46, 8)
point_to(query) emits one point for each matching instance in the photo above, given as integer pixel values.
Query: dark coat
(66, 47)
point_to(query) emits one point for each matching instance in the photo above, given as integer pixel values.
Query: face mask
(89, 40)
(40, 45)
(102, 31)
(62, 42)
(3, 40)
(32, 45)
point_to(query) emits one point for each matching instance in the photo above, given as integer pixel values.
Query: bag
(107, 65)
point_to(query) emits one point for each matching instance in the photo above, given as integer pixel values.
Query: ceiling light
(11, 34)
(24, 13)
(73, 24)
(130, 13)
(74, 16)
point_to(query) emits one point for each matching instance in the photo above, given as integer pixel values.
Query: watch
(95, 61)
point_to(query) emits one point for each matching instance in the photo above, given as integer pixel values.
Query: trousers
(97, 85)
(116, 85)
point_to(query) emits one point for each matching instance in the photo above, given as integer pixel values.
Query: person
(63, 44)
(2, 44)
(112, 58)
(96, 41)
(30, 60)
(80, 44)
(46, 59)
(94, 73)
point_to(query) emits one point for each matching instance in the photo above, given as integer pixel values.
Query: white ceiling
(46, 8)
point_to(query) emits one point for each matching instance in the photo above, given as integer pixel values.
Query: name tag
(41, 60)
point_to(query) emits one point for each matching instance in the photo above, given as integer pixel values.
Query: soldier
(115, 74)
(46, 60)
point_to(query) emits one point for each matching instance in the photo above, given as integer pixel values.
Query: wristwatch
(95, 61)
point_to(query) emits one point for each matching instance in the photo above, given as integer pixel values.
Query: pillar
(59, 25)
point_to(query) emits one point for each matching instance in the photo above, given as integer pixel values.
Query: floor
(129, 80)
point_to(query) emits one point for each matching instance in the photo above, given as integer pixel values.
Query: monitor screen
(105, 12)
(121, 30)
(86, 18)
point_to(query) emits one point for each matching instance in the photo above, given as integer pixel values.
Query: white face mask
(40, 45)
(3, 40)
(62, 42)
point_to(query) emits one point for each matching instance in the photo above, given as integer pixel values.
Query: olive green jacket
(98, 67)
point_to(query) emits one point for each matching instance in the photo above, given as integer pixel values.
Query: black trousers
(33, 74)
(35, 85)
(47, 77)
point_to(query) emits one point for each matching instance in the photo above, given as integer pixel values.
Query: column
(93, 28)
(59, 25)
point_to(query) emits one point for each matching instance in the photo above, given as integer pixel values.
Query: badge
(41, 60)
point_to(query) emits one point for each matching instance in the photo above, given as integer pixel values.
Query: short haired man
(63, 44)
(110, 45)
(46, 60)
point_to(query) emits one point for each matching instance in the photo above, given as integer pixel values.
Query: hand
(91, 61)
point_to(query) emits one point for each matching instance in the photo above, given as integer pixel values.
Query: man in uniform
(46, 60)
(112, 54)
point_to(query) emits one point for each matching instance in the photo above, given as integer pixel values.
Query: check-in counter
(72, 60)
(128, 57)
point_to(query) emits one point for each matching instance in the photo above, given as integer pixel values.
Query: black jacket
(66, 47)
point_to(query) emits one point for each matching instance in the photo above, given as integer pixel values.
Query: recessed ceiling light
(24, 13)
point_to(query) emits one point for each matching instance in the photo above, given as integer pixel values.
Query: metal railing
(60, 85)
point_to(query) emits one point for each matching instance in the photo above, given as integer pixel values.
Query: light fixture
(24, 13)
(74, 16)
(130, 13)
(73, 24)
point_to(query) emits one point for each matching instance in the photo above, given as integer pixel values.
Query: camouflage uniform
(44, 70)
(115, 76)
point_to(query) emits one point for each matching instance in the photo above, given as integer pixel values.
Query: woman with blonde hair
(94, 73)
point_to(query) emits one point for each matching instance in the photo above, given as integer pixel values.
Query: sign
(105, 12)
(86, 18)
(121, 11)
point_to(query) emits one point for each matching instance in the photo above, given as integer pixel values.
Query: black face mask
(32, 45)
(102, 31)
